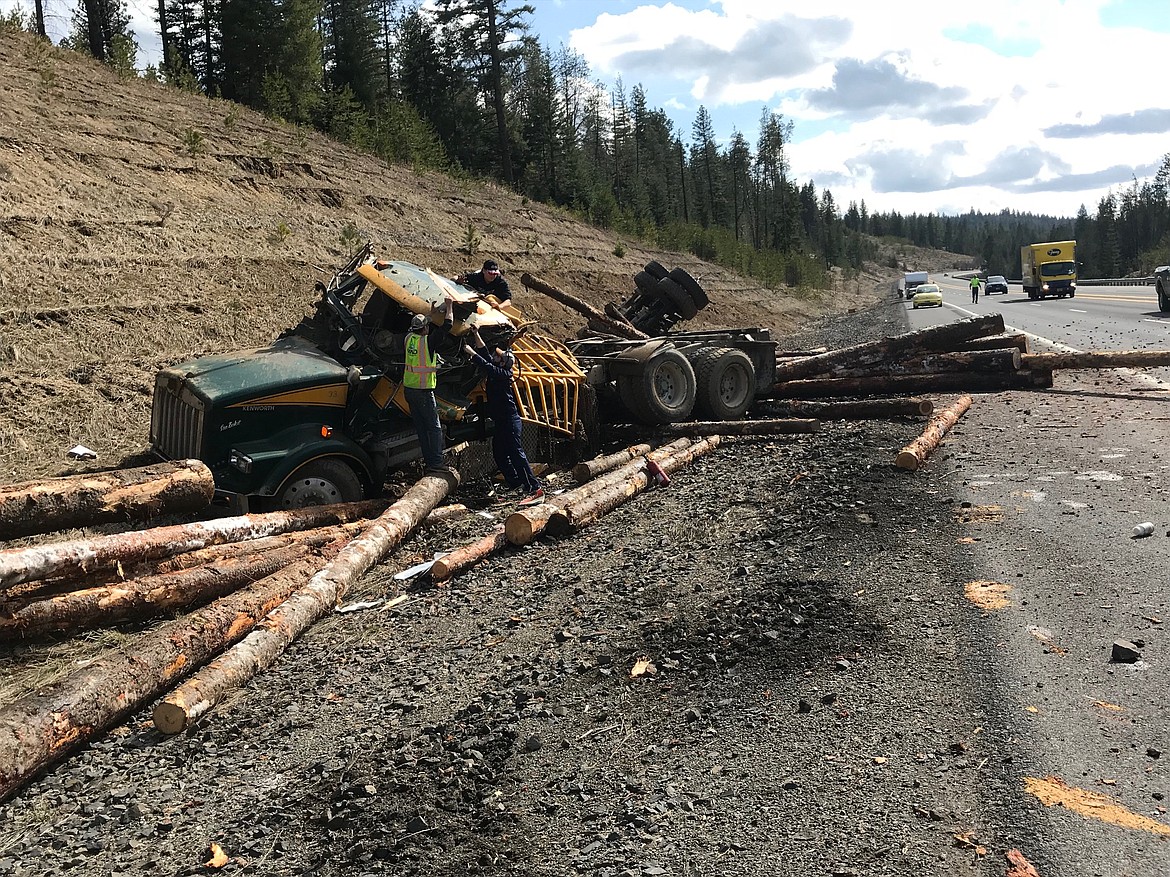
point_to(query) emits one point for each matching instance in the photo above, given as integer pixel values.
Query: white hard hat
(418, 322)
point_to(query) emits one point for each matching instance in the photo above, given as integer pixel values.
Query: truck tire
(662, 392)
(683, 279)
(1163, 296)
(725, 382)
(646, 282)
(319, 482)
(681, 303)
(655, 270)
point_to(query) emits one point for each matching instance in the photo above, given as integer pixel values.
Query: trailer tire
(646, 282)
(725, 382)
(681, 303)
(663, 391)
(319, 482)
(656, 270)
(687, 282)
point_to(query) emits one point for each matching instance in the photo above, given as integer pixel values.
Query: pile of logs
(249, 586)
(971, 355)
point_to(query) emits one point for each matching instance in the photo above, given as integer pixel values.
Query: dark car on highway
(995, 283)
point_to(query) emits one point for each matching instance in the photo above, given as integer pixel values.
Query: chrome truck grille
(176, 419)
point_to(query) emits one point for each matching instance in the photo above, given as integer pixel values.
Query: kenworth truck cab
(319, 415)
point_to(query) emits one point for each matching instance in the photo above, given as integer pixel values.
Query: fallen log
(914, 454)
(788, 426)
(31, 507)
(590, 469)
(141, 598)
(1097, 359)
(943, 337)
(977, 361)
(73, 580)
(451, 512)
(295, 615)
(864, 409)
(888, 385)
(624, 330)
(1017, 340)
(80, 555)
(468, 555)
(524, 525)
(587, 509)
(41, 728)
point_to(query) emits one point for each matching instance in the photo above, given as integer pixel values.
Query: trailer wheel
(663, 392)
(680, 302)
(726, 383)
(320, 482)
(687, 282)
(656, 270)
(646, 282)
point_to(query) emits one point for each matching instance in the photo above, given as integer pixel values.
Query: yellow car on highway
(927, 294)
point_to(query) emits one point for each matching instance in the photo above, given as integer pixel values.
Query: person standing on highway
(975, 289)
(488, 279)
(507, 447)
(418, 383)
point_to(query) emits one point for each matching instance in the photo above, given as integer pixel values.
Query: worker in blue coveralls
(507, 448)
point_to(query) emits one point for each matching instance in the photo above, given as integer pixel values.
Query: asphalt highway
(1055, 481)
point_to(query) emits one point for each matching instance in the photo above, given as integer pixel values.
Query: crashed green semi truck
(319, 415)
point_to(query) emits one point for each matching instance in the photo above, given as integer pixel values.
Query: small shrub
(619, 250)
(350, 237)
(232, 117)
(193, 142)
(471, 240)
(280, 234)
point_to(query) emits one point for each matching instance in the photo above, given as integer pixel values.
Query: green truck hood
(288, 365)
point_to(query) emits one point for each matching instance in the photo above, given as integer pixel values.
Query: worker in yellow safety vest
(418, 383)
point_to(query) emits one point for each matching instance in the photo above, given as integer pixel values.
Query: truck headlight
(1044, 286)
(1073, 285)
(240, 460)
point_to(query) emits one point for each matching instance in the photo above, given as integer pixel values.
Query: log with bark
(590, 469)
(1098, 359)
(177, 488)
(785, 426)
(623, 330)
(863, 409)
(467, 556)
(294, 616)
(41, 728)
(80, 555)
(914, 454)
(585, 510)
(886, 385)
(943, 337)
(967, 361)
(140, 598)
(1017, 340)
(524, 525)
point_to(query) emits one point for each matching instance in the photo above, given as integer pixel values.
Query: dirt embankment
(140, 225)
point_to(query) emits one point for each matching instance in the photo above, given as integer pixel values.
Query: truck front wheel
(726, 382)
(662, 392)
(1163, 296)
(319, 482)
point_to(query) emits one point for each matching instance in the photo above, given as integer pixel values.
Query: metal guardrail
(1117, 281)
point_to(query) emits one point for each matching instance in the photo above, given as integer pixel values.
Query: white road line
(1075, 311)
(1064, 348)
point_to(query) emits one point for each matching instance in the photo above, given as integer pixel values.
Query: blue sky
(909, 105)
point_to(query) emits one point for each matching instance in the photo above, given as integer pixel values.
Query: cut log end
(170, 718)
(907, 460)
